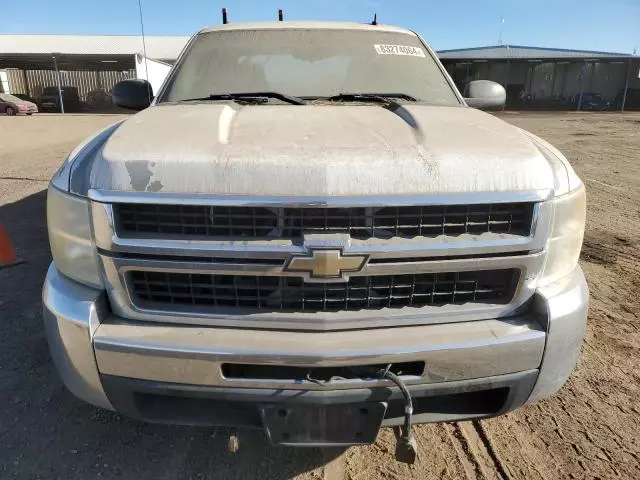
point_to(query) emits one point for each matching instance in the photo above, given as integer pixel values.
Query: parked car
(310, 231)
(50, 99)
(12, 105)
(590, 101)
(25, 97)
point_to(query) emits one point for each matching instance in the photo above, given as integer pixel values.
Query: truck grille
(282, 294)
(293, 223)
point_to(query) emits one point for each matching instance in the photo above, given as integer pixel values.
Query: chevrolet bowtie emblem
(326, 264)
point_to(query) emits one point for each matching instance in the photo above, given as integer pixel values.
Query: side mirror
(485, 95)
(134, 94)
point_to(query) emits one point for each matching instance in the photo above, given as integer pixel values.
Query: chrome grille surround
(265, 257)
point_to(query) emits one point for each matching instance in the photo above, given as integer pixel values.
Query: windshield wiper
(370, 97)
(248, 96)
(387, 101)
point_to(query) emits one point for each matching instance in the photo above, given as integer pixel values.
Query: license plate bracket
(323, 425)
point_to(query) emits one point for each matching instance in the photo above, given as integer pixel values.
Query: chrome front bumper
(92, 347)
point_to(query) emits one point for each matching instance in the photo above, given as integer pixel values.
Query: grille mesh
(281, 294)
(383, 222)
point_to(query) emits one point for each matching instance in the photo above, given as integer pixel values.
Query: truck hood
(320, 150)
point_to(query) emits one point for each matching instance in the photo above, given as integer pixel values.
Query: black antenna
(375, 19)
(144, 51)
(224, 16)
(280, 15)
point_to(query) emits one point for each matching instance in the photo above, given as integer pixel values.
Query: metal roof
(300, 25)
(157, 47)
(518, 51)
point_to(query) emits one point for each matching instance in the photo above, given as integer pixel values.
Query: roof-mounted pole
(375, 19)
(224, 16)
(280, 15)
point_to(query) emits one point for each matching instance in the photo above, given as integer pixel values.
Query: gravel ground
(588, 430)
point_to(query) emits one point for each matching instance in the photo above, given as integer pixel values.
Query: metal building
(87, 64)
(551, 78)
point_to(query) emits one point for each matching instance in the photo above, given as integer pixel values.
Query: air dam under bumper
(173, 374)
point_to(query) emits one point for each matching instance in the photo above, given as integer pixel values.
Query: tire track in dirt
(471, 448)
(495, 458)
(26, 179)
(472, 468)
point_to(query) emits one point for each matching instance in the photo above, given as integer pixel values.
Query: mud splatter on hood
(346, 149)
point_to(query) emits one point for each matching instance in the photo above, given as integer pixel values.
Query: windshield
(310, 63)
(9, 98)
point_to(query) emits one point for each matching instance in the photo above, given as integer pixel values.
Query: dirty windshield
(310, 63)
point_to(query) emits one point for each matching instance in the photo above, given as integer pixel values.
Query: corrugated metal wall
(16, 83)
(557, 81)
(32, 82)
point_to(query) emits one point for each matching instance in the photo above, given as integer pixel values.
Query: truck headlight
(70, 237)
(565, 239)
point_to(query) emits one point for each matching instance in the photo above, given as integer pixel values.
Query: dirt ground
(590, 429)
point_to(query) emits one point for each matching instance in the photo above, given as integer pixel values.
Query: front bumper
(173, 374)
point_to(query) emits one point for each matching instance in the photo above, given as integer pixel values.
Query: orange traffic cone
(7, 253)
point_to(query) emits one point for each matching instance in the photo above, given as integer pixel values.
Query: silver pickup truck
(310, 231)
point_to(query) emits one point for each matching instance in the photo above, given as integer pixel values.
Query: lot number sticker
(399, 50)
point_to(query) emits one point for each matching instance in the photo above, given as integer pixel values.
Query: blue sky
(612, 25)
